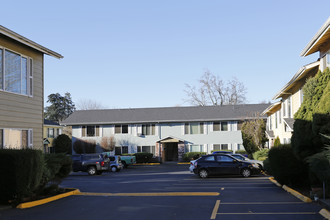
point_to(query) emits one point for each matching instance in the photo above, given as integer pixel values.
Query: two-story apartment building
(21, 90)
(166, 132)
(280, 114)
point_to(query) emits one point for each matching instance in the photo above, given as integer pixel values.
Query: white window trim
(29, 79)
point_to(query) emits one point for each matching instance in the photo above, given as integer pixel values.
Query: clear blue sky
(140, 53)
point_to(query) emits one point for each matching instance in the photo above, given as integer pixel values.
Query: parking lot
(169, 191)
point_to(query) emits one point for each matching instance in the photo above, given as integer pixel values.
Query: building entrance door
(171, 151)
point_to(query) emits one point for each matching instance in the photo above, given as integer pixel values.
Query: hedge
(285, 167)
(143, 157)
(21, 173)
(192, 155)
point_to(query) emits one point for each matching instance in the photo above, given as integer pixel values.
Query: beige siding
(295, 102)
(19, 111)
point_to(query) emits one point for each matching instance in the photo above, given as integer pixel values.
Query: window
(275, 119)
(220, 125)
(239, 125)
(16, 73)
(121, 129)
(284, 109)
(224, 146)
(216, 147)
(195, 148)
(16, 138)
(224, 159)
(216, 126)
(146, 149)
(194, 128)
(90, 131)
(148, 129)
(270, 122)
(279, 117)
(289, 107)
(224, 126)
(121, 150)
(209, 158)
(50, 132)
(328, 59)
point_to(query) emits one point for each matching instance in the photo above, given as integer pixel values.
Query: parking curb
(274, 181)
(146, 164)
(47, 200)
(184, 163)
(297, 194)
(325, 213)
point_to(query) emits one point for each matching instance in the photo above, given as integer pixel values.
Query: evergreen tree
(61, 107)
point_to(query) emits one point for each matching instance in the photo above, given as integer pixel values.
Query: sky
(141, 53)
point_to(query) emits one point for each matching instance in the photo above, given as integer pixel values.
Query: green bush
(243, 152)
(261, 154)
(143, 157)
(62, 144)
(21, 173)
(58, 166)
(285, 167)
(277, 141)
(192, 156)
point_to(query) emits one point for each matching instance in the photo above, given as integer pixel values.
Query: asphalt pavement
(169, 191)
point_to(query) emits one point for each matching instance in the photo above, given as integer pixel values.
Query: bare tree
(214, 91)
(89, 104)
(108, 143)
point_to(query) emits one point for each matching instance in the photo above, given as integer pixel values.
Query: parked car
(128, 160)
(222, 152)
(221, 164)
(90, 163)
(115, 163)
(243, 158)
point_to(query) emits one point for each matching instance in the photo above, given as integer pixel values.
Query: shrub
(62, 144)
(243, 152)
(277, 141)
(143, 157)
(261, 154)
(58, 166)
(192, 155)
(21, 173)
(285, 167)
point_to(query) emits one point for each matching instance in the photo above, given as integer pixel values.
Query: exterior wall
(20, 111)
(45, 133)
(232, 137)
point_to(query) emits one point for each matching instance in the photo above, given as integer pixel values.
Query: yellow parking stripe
(215, 209)
(152, 194)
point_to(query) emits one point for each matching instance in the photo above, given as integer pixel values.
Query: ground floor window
(220, 147)
(121, 150)
(146, 149)
(194, 148)
(15, 138)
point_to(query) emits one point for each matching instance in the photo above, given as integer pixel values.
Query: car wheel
(114, 169)
(124, 164)
(91, 170)
(203, 174)
(246, 172)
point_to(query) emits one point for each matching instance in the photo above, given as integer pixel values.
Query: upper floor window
(15, 73)
(289, 107)
(284, 109)
(194, 128)
(90, 131)
(121, 129)
(148, 129)
(328, 59)
(50, 132)
(220, 126)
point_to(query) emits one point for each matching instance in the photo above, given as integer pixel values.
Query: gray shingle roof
(166, 114)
